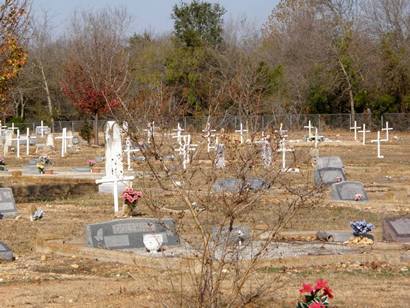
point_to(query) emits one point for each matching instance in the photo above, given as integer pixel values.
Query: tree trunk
(50, 104)
(351, 97)
(96, 129)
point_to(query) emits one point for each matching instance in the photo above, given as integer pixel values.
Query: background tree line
(311, 56)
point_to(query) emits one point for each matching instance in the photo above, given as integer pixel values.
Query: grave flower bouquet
(42, 161)
(315, 296)
(130, 198)
(40, 166)
(361, 227)
(91, 163)
(2, 161)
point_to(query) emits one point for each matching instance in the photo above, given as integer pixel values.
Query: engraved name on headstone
(129, 233)
(7, 203)
(397, 229)
(348, 191)
(328, 176)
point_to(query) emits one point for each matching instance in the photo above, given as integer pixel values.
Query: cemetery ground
(372, 276)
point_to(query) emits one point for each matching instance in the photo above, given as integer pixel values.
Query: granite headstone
(329, 162)
(129, 233)
(397, 229)
(5, 253)
(7, 203)
(328, 176)
(348, 191)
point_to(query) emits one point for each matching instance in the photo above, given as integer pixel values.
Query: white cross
(283, 150)
(241, 131)
(209, 135)
(387, 131)
(364, 131)
(178, 130)
(17, 139)
(64, 139)
(282, 132)
(184, 150)
(378, 141)
(27, 138)
(150, 131)
(12, 128)
(42, 127)
(310, 126)
(128, 150)
(355, 127)
(1, 128)
(115, 180)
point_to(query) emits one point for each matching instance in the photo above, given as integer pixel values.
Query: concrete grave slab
(5, 253)
(397, 229)
(233, 185)
(329, 176)
(348, 191)
(129, 233)
(329, 162)
(7, 203)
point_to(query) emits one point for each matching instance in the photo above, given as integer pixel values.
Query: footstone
(348, 191)
(329, 162)
(7, 203)
(235, 185)
(328, 176)
(397, 229)
(5, 253)
(129, 233)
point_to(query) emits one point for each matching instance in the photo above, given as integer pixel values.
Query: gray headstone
(328, 176)
(128, 233)
(238, 234)
(76, 140)
(234, 185)
(46, 130)
(347, 191)
(220, 156)
(329, 162)
(5, 253)
(397, 229)
(7, 203)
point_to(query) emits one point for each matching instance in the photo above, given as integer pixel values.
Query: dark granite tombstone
(5, 253)
(235, 185)
(7, 203)
(329, 162)
(348, 191)
(128, 233)
(328, 176)
(397, 229)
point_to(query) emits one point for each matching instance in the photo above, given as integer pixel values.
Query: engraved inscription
(132, 228)
(116, 241)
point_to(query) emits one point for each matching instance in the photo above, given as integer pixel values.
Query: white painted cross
(128, 150)
(178, 131)
(150, 131)
(17, 139)
(283, 150)
(115, 180)
(27, 138)
(241, 131)
(209, 134)
(378, 141)
(42, 127)
(387, 131)
(355, 127)
(184, 150)
(64, 139)
(282, 132)
(364, 131)
(310, 126)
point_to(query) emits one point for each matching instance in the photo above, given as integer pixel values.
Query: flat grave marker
(328, 176)
(397, 229)
(7, 203)
(129, 233)
(5, 252)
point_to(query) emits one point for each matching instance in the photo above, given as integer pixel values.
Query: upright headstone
(348, 191)
(7, 141)
(397, 229)
(5, 253)
(50, 141)
(129, 233)
(220, 156)
(7, 203)
(266, 153)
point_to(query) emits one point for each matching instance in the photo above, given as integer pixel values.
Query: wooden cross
(209, 134)
(241, 131)
(283, 150)
(184, 150)
(42, 127)
(128, 150)
(282, 132)
(387, 131)
(355, 127)
(64, 139)
(150, 131)
(178, 130)
(378, 141)
(115, 180)
(364, 131)
(27, 139)
(17, 139)
(310, 126)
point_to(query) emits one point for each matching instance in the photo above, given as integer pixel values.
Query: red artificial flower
(321, 284)
(307, 288)
(316, 305)
(328, 292)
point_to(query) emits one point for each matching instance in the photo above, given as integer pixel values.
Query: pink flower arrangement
(131, 196)
(91, 163)
(315, 296)
(358, 197)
